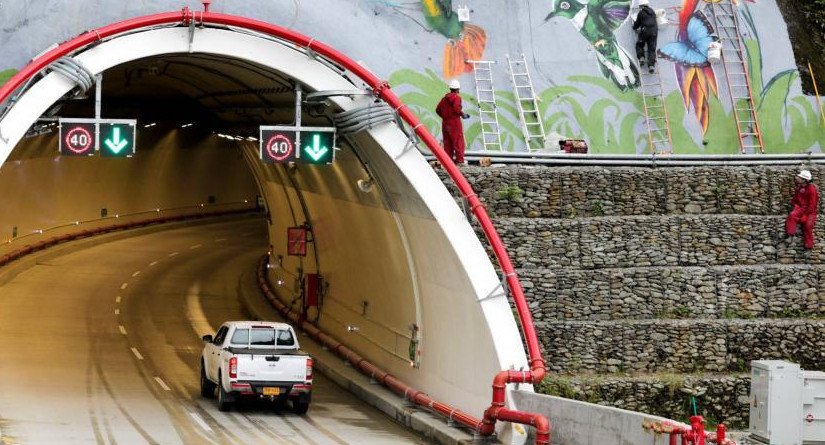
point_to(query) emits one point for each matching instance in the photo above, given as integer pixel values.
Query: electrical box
(813, 407)
(776, 402)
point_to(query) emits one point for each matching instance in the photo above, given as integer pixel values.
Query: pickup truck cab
(256, 359)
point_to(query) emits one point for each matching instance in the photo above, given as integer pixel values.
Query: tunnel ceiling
(228, 94)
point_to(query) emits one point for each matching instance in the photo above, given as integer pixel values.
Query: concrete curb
(336, 369)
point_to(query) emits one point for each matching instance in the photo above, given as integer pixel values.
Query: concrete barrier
(582, 423)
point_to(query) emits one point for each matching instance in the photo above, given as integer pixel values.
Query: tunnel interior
(405, 279)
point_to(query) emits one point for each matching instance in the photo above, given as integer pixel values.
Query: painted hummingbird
(597, 21)
(466, 41)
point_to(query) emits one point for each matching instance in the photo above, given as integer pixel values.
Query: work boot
(641, 61)
(651, 70)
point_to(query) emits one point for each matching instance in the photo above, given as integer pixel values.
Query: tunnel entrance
(399, 260)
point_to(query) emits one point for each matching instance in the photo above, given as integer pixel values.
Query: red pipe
(381, 89)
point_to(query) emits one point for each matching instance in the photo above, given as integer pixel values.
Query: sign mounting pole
(98, 94)
(298, 116)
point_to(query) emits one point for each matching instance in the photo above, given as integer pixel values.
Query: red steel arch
(382, 90)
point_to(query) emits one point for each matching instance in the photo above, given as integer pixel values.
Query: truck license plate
(268, 391)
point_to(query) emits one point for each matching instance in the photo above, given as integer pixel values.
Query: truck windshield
(263, 337)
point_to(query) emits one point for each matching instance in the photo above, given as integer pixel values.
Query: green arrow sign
(117, 137)
(319, 146)
(116, 143)
(316, 151)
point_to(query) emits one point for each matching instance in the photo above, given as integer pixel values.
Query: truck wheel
(299, 407)
(224, 402)
(207, 387)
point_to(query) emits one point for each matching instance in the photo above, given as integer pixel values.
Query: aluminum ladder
(486, 98)
(735, 62)
(659, 136)
(527, 104)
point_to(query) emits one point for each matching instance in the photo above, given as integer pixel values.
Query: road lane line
(135, 274)
(200, 422)
(173, 254)
(117, 311)
(194, 312)
(124, 285)
(162, 384)
(153, 263)
(220, 239)
(196, 246)
(117, 299)
(122, 330)
(137, 354)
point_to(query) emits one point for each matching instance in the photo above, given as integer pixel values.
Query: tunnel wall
(422, 47)
(170, 170)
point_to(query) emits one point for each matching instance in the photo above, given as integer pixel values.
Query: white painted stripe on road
(162, 384)
(194, 311)
(173, 254)
(137, 354)
(200, 422)
(122, 330)
(196, 246)
(117, 299)
(135, 274)
(124, 285)
(153, 263)
(117, 311)
(220, 239)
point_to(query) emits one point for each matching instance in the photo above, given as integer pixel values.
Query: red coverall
(805, 204)
(449, 109)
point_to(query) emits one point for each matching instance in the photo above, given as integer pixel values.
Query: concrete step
(719, 397)
(661, 240)
(644, 293)
(678, 346)
(571, 192)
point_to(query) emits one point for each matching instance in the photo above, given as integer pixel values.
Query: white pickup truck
(256, 359)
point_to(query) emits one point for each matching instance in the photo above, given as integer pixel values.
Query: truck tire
(207, 387)
(224, 400)
(300, 407)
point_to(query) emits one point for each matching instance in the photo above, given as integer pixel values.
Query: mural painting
(577, 50)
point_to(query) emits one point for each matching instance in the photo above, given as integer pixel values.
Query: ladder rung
(519, 74)
(533, 123)
(752, 146)
(484, 90)
(655, 106)
(659, 141)
(655, 118)
(488, 111)
(743, 109)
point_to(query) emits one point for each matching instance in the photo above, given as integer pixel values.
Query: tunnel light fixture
(77, 223)
(157, 210)
(280, 282)
(186, 125)
(150, 125)
(352, 328)
(117, 216)
(252, 138)
(365, 185)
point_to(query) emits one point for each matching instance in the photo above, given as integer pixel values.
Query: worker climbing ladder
(735, 62)
(486, 98)
(659, 137)
(527, 104)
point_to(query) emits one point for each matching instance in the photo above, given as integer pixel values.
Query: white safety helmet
(805, 174)
(454, 85)
(644, 2)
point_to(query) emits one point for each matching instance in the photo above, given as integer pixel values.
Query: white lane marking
(135, 274)
(196, 246)
(153, 263)
(124, 285)
(162, 384)
(137, 354)
(122, 330)
(194, 311)
(173, 254)
(117, 311)
(117, 299)
(220, 239)
(200, 422)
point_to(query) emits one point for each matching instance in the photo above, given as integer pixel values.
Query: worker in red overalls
(805, 203)
(449, 109)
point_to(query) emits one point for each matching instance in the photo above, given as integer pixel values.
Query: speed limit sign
(278, 144)
(77, 138)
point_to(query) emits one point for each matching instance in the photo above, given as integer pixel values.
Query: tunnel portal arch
(468, 327)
